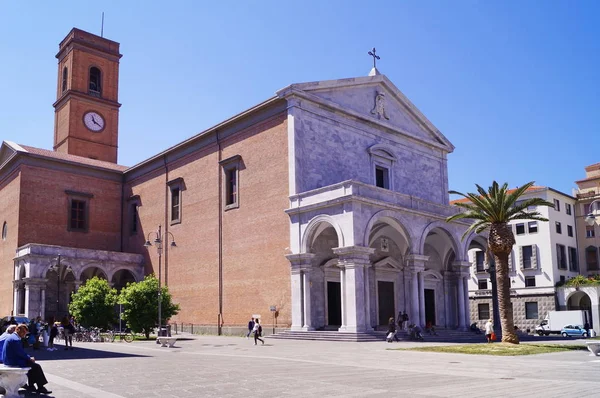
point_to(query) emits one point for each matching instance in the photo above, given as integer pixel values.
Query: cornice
(81, 95)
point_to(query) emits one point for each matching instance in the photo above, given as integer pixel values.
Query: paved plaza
(211, 366)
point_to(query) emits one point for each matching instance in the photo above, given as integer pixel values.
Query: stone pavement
(211, 366)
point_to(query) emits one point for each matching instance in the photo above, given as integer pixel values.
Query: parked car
(573, 330)
(4, 321)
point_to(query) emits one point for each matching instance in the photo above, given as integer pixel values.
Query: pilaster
(300, 265)
(355, 262)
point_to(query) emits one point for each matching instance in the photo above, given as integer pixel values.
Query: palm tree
(493, 210)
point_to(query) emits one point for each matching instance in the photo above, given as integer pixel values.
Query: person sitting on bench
(14, 355)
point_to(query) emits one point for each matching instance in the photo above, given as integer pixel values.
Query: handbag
(493, 336)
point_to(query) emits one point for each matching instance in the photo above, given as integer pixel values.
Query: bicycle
(123, 335)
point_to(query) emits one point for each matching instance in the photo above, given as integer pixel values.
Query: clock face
(93, 121)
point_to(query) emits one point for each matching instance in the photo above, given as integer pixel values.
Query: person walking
(69, 330)
(257, 330)
(391, 333)
(489, 330)
(250, 327)
(405, 320)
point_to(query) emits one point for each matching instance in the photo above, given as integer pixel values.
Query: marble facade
(365, 247)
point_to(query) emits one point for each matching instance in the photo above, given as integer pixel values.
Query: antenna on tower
(102, 28)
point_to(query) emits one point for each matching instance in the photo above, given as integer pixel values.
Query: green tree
(492, 210)
(140, 301)
(93, 304)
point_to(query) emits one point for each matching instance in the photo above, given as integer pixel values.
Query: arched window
(4, 230)
(64, 79)
(95, 88)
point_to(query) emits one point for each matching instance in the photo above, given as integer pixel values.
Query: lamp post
(592, 216)
(58, 269)
(491, 268)
(159, 237)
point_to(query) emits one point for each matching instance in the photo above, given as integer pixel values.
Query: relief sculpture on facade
(379, 108)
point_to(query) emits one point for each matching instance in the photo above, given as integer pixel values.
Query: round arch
(389, 217)
(473, 237)
(579, 300)
(431, 272)
(313, 227)
(437, 225)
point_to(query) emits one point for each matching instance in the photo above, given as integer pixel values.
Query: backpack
(259, 330)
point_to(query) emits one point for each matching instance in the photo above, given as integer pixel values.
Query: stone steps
(442, 336)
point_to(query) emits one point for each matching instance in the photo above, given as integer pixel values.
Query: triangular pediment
(7, 151)
(388, 263)
(374, 99)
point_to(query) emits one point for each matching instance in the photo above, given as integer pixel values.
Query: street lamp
(592, 216)
(491, 268)
(158, 241)
(58, 269)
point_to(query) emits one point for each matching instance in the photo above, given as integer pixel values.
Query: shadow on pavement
(77, 353)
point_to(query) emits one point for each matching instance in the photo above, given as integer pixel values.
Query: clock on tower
(87, 108)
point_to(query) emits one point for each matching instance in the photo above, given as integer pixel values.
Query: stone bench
(11, 379)
(594, 347)
(167, 340)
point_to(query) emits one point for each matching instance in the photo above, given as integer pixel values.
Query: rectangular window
(231, 181)
(482, 284)
(531, 310)
(586, 209)
(520, 229)
(479, 261)
(568, 208)
(382, 177)
(532, 227)
(561, 256)
(556, 205)
(570, 230)
(78, 215)
(563, 279)
(591, 258)
(134, 219)
(558, 228)
(573, 264)
(231, 188)
(589, 231)
(175, 205)
(530, 281)
(527, 255)
(483, 310)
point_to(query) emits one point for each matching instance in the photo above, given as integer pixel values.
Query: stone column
(298, 262)
(467, 309)
(354, 260)
(343, 299)
(368, 299)
(16, 299)
(307, 306)
(463, 269)
(460, 288)
(43, 303)
(422, 319)
(415, 264)
(33, 304)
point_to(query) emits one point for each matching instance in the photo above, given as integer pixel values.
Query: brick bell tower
(86, 111)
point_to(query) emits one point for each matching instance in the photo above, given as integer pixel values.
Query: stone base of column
(307, 328)
(296, 328)
(354, 329)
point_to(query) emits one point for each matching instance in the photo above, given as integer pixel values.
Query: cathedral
(323, 207)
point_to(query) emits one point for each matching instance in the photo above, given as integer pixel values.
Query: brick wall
(44, 209)
(9, 208)
(255, 235)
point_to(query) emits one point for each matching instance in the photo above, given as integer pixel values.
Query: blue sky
(514, 85)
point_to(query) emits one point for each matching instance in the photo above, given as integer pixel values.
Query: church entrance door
(430, 306)
(385, 293)
(334, 303)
